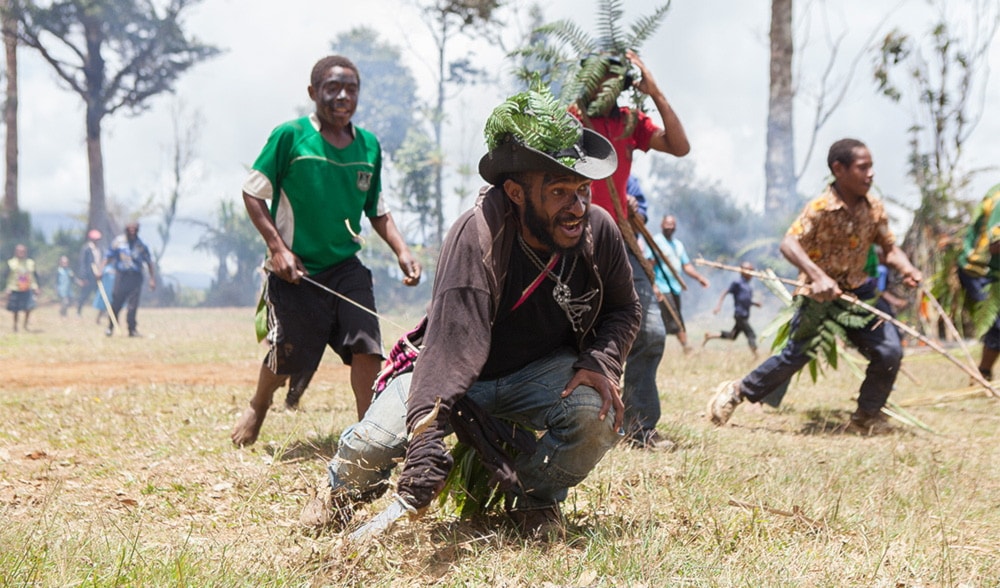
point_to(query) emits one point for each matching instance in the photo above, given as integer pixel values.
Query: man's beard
(543, 232)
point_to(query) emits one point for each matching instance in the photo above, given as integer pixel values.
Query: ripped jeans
(574, 440)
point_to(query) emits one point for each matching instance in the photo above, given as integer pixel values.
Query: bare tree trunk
(779, 167)
(439, 138)
(97, 215)
(10, 206)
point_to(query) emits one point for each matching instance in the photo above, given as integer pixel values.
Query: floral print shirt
(838, 239)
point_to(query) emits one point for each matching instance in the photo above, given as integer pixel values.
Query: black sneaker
(134, 333)
(651, 440)
(867, 423)
(543, 524)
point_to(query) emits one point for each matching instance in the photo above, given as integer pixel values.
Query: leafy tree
(942, 75)
(236, 245)
(389, 90)
(415, 164)
(447, 19)
(116, 55)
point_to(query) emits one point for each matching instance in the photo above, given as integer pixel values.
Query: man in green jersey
(306, 194)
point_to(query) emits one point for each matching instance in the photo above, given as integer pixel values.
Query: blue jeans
(640, 394)
(574, 440)
(880, 346)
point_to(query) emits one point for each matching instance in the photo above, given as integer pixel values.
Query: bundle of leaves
(591, 72)
(820, 325)
(467, 484)
(536, 119)
(973, 317)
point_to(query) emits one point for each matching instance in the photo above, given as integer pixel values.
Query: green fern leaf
(645, 26)
(610, 13)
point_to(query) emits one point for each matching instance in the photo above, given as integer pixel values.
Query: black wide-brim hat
(594, 158)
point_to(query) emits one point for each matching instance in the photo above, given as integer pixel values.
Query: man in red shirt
(641, 396)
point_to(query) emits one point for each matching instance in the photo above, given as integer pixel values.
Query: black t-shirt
(538, 326)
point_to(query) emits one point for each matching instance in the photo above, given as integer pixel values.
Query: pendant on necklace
(561, 294)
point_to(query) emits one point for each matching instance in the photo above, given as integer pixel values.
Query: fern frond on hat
(591, 72)
(532, 131)
(537, 120)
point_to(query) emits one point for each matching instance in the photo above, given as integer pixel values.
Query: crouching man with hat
(532, 315)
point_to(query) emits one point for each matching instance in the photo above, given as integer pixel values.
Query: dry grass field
(116, 470)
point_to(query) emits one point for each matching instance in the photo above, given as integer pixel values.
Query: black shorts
(303, 318)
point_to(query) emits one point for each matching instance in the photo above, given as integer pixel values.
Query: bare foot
(247, 428)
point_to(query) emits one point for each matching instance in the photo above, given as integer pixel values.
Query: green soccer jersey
(321, 190)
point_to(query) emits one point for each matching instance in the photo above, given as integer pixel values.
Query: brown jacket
(468, 286)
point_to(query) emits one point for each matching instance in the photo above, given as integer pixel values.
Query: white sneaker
(721, 406)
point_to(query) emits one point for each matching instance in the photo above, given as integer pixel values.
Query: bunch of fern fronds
(536, 119)
(973, 318)
(819, 326)
(590, 71)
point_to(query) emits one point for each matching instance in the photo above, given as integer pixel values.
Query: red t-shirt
(611, 127)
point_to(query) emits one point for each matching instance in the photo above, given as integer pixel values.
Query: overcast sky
(710, 57)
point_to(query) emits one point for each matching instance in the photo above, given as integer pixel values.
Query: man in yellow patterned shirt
(829, 244)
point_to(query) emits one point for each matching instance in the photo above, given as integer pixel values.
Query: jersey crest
(364, 181)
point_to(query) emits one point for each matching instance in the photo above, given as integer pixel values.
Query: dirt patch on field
(27, 374)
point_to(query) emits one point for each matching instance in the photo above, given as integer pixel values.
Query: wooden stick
(961, 394)
(948, 323)
(628, 235)
(795, 513)
(107, 302)
(852, 299)
(755, 273)
(974, 373)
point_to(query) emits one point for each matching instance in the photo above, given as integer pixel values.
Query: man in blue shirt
(128, 254)
(742, 293)
(667, 283)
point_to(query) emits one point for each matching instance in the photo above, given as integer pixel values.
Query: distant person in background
(667, 283)
(88, 269)
(64, 285)
(128, 254)
(979, 266)
(742, 293)
(22, 284)
(309, 188)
